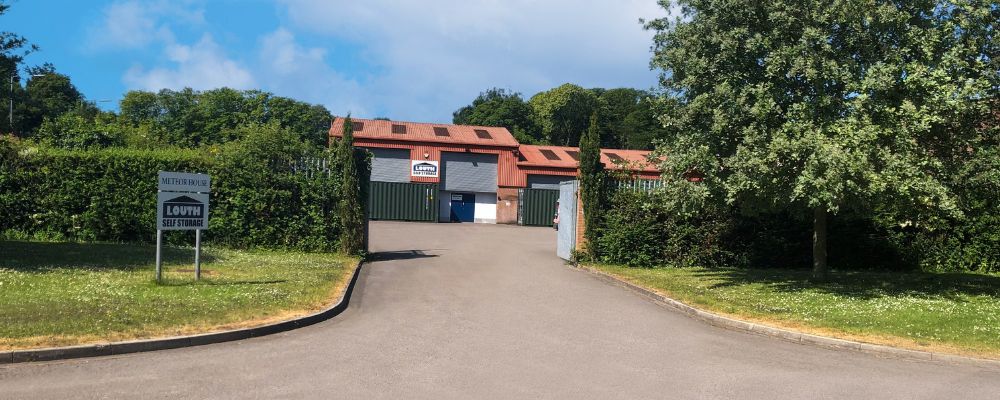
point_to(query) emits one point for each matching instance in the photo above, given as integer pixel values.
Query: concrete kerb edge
(136, 346)
(788, 335)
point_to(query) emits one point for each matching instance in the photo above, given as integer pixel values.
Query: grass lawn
(956, 313)
(56, 294)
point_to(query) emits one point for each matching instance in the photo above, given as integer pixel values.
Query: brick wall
(507, 205)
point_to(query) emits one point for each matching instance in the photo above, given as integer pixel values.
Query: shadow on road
(399, 255)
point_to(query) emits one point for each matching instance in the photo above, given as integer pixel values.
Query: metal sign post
(181, 204)
(159, 260)
(197, 254)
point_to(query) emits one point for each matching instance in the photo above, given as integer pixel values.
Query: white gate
(567, 219)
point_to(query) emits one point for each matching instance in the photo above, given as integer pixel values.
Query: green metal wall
(403, 201)
(536, 207)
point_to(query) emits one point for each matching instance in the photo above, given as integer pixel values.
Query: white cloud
(288, 69)
(134, 24)
(202, 65)
(436, 56)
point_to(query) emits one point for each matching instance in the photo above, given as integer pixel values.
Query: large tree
(49, 94)
(628, 119)
(190, 118)
(499, 107)
(13, 48)
(825, 106)
(563, 113)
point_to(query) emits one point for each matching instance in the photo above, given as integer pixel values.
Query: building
(479, 171)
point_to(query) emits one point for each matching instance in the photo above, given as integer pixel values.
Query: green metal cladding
(403, 201)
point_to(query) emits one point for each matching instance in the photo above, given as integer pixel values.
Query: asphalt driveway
(481, 311)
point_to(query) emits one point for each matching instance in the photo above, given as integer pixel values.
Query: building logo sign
(182, 211)
(424, 169)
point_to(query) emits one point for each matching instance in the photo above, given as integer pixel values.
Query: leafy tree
(826, 107)
(13, 48)
(498, 107)
(562, 113)
(352, 213)
(49, 94)
(592, 181)
(310, 121)
(629, 119)
(81, 129)
(189, 118)
(642, 127)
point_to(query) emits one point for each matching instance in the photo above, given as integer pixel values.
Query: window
(614, 157)
(399, 129)
(574, 154)
(441, 131)
(358, 126)
(549, 154)
(482, 134)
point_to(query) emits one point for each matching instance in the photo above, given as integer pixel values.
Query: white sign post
(181, 204)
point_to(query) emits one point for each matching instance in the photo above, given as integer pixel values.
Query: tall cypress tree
(592, 181)
(352, 216)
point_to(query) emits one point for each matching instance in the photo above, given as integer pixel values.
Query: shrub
(639, 231)
(634, 233)
(264, 195)
(270, 190)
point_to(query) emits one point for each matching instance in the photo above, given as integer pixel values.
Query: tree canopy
(559, 116)
(499, 107)
(563, 113)
(860, 106)
(13, 48)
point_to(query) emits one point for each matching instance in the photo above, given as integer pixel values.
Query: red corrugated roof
(534, 156)
(424, 132)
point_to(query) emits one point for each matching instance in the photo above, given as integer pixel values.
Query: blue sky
(407, 60)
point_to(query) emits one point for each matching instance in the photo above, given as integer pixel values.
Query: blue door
(463, 207)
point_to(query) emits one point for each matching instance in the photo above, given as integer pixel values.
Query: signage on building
(424, 168)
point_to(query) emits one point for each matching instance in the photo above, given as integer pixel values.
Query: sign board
(456, 197)
(181, 211)
(424, 168)
(184, 182)
(181, 205)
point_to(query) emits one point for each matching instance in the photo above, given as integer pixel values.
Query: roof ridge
(420, 123)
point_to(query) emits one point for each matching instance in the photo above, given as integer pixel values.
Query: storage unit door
(403, 201)
(463, 207)
(547, 181)
(538, 206)
(469, 172)
(390, 165)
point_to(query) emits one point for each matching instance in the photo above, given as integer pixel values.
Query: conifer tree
(592, 181)
(352, 215)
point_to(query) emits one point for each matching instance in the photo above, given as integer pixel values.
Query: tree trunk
(819, 243)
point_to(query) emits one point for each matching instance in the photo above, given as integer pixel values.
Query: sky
(404, 60)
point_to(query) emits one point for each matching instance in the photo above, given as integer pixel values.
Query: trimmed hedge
(263, 195)
(639, 231)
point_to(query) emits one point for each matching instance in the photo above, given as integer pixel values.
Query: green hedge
(263, 194)
(639, 231)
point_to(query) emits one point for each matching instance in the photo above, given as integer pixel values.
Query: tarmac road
(485, 311)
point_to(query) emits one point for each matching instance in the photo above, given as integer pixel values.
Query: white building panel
(486, 208)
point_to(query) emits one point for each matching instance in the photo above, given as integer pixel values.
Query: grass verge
(953, 313)
(59, 294)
